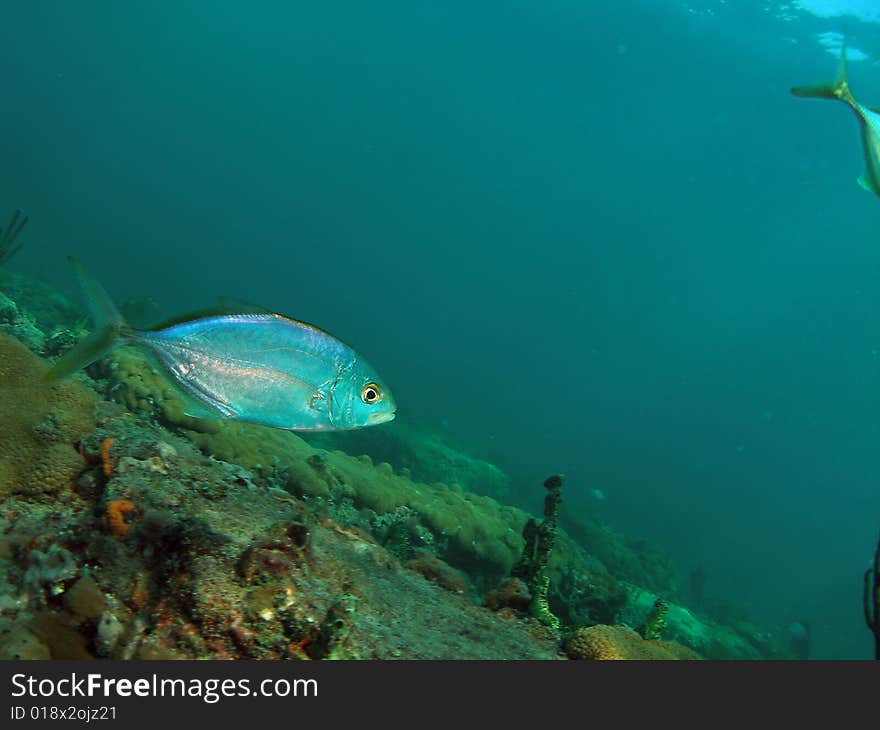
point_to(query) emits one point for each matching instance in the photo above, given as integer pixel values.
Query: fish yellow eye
(370, 393)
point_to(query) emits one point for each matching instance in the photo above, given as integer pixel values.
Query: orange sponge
(115, 518)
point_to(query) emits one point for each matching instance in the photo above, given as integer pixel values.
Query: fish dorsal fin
(223, 309)
(225, 306)
(234, 305)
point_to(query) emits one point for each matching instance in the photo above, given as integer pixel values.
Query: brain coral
(39, 424)
(618, 642)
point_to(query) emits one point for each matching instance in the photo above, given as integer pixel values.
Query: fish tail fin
(109, 329)
(836, 91)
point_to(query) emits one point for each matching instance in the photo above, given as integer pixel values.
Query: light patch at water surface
(832, 42)
(867, 10)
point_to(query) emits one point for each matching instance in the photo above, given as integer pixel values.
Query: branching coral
(655, 622)
(531, 567)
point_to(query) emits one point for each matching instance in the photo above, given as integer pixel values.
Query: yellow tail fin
(109, 328)
(838, 90)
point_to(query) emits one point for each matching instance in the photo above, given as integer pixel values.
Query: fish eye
(370, 393)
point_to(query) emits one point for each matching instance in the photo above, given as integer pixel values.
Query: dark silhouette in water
(871, 598)
(868, 119)
(7, 238)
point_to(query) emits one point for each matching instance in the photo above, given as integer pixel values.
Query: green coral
(425, 454)
(540, 608)
(531, 567)
(655, 623)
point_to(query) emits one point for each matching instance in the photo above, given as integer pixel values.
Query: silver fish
(262, 368)
(869, 121)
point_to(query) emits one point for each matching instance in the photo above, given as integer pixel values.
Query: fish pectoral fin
(200, 403)
(865, 182)
(194, 409)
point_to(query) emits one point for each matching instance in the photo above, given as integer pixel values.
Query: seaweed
(8, 237)
(655, 623)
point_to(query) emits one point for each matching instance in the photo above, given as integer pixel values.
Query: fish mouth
(381, 417)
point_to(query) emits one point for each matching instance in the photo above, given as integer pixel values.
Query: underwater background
(588, 237)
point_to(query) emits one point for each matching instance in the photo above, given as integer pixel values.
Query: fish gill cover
(598, 240)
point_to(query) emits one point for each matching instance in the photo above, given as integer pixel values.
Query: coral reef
(220, 563)
(708, 638)
(475, 529)
(129, 529)
(36, 314)
(20, 325)
(562, 585)
(582, 590)
(423, 454)
(628, 559)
